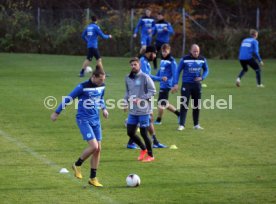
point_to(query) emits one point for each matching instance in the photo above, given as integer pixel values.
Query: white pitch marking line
(46, 161)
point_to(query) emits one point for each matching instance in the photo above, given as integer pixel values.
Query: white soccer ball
(88, 70)
(133, 180)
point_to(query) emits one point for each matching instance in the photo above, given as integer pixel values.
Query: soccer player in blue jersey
(195, 69)
(163, 31)
(90, 36)
(149, 55)
(147, 26)
(249, 53)
(167, 71)
(90, 95)
(139, 91)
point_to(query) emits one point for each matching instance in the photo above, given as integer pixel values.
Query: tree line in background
(42, 26)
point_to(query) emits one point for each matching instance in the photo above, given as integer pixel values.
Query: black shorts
(93, 52)
(163, 96)
(158, 45)
(251, 62)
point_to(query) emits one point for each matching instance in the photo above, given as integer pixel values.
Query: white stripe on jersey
(162, 24)
(94, 89)
(197, 61)
(166, 61)
(146, 20)
(245, 44)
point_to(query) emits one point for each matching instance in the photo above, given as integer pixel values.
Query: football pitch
(233, 160)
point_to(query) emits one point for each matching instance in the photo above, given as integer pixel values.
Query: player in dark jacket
(192, 66)
(163, 31)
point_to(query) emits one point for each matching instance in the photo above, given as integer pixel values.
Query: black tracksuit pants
(193, 91)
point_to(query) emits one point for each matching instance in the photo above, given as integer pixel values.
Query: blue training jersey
(90, 35)
(192, 68)
(167, 69)
(249, 49)
(146, 68)
(163, 31)
(145, 23)
(90, 98)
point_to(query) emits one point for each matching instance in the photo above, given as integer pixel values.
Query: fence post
(183, 31)
(258, 19)
(87, 15)
(38, 19)
(131, 29)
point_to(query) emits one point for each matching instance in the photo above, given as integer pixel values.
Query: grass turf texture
(232, 161)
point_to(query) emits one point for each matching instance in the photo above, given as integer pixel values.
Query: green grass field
(233, 160)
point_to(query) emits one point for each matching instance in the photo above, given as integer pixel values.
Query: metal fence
(59, 31)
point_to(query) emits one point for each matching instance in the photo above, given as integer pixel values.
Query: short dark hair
(94, 18)
(134, 59)
(161, 13)
(165, 46)
(98, 72)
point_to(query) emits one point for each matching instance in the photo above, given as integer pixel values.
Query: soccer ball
(88, 70)
(133, 180)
